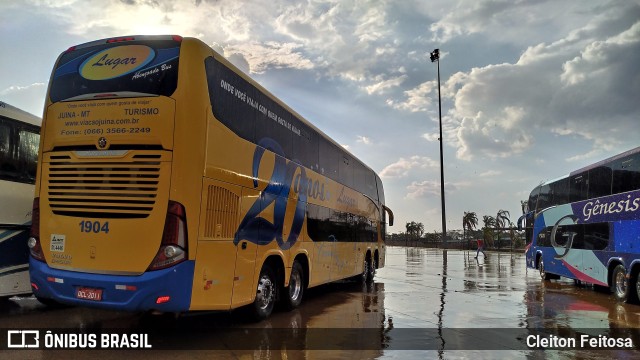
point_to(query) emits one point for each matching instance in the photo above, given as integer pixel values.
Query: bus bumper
(166, 290)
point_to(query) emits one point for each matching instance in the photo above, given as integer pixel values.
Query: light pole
(435, 57)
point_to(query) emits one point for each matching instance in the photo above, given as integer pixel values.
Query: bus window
(330, 159)
(545, 197)
(578, 187)
(596, 236)
(626, 174)
(18, 151)
(28, 154)
(600, 181)
(73, 79)
(533, 199)
(305, 148)
(560, 191)
(6, 162)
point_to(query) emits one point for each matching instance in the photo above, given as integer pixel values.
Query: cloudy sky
(531, 89)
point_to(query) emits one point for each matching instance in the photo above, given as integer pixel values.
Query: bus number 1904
(87, 226)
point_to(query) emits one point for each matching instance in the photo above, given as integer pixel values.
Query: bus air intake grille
(103, 189)
(222, 213)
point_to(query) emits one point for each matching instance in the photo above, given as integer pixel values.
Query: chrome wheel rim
(265, 293)
(295, 286)
(365, 271)
(621, 283)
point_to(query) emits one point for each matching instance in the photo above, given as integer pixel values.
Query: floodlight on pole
(435, 57)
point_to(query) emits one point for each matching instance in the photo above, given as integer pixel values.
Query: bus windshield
(140, 66)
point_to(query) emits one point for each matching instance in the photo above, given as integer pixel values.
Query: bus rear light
(173, 248)
(34, 234)
(177, 38)
(55, 280)
(35, 219)
(126, 287)
(163, 299)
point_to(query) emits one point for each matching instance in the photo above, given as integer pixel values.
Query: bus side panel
(216, 251)
(321, 262)
(344, 260)
(213, 275)
(244, 288)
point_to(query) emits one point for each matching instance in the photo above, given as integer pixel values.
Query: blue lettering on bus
(259, 230)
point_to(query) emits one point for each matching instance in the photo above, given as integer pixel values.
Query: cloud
(364, 140)
(18, 89)
(259, 57)
(29, 98)
(490, 173)
(426, 188)
(403, 167)
(416, 99)
(382, 85)
(584, 85)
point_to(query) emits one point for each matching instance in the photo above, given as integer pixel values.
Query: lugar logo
(116, 61)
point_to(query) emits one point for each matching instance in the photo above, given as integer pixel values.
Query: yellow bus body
(112, 164)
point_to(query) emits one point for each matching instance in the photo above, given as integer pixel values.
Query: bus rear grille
(222, 213)
(103, 189)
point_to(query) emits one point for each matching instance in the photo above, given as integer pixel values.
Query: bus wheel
(543, 272)
(636, 297)
(365, 270)
(295, 290)
(619, 283)
(265, 294)
(372, 269)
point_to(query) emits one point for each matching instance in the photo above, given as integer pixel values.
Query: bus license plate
(89, 294)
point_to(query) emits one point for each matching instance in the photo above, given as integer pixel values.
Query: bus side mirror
(389, 213)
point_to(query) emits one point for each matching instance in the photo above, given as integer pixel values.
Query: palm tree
(415, 229)
(419, 230)
(469, 221)
(487, 230)
(502, 220)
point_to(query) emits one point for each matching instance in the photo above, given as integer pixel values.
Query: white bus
(19, 140)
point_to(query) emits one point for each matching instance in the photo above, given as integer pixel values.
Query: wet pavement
(425, 303)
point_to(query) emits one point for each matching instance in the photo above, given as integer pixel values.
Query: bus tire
(294, 292)
(636, 289)
(265, 294)
(364, 277)
(620, 283)
(372, 269)
(543, 272)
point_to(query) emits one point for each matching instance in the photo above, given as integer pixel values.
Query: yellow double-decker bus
(169, 180)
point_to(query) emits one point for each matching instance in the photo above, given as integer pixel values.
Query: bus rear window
(148, 66)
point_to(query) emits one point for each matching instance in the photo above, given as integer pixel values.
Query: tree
(415, 228)
(469, 221)
(502, 221)
(487, 230)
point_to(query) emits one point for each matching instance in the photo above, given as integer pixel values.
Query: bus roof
(589, 167)
(608, 160)
(13, 112)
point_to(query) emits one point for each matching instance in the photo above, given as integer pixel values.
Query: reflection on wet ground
(425, 303)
